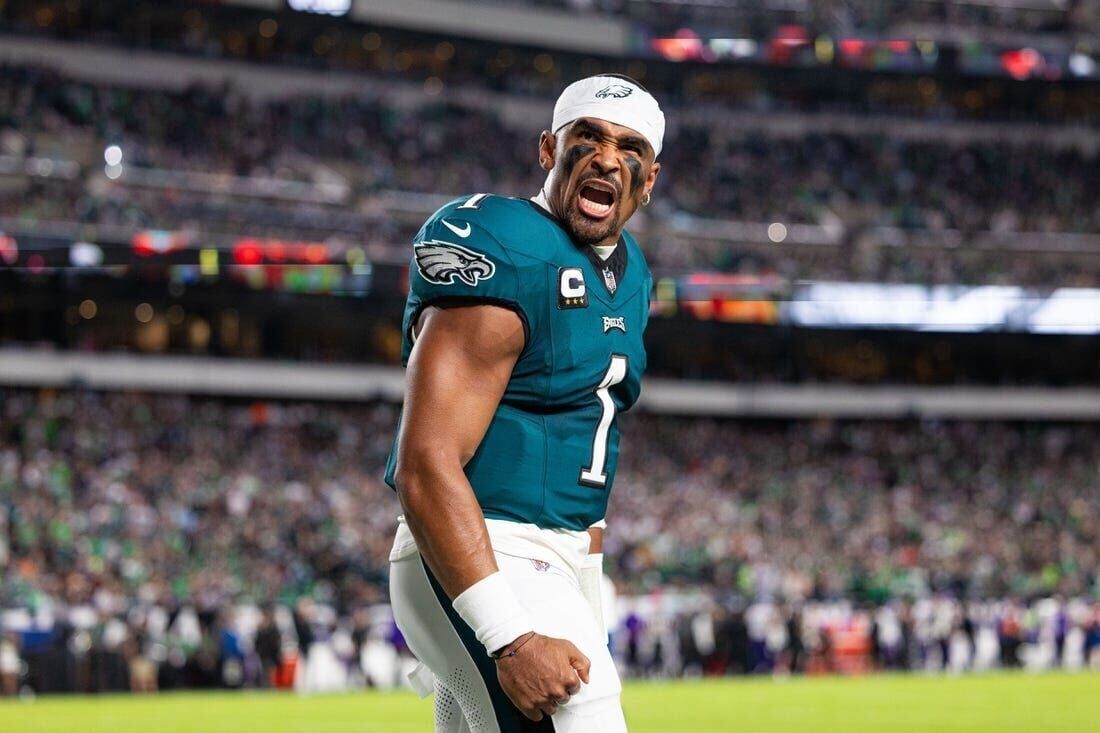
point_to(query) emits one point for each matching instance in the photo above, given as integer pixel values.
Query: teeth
(593, 208)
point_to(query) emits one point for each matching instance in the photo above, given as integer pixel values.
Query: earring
(645, 200)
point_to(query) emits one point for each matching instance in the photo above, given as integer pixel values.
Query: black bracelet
(516, 648)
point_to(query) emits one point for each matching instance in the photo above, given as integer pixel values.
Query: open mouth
(596, 199)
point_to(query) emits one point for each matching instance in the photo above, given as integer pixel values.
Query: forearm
(447, 523)
(595, 540)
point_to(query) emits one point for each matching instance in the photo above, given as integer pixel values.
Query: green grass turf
(1010, 703)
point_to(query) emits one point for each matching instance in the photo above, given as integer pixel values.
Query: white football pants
(468, 697)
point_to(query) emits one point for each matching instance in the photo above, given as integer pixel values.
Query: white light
(113, 171)
(1082, 65)
(113, 155)
(777, 232)
(743, 47)
(736, 47)
(85, 254)
(324, 7)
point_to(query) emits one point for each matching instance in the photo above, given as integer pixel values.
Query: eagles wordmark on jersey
(550, 453)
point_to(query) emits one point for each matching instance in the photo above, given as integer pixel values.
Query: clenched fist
(541, 674)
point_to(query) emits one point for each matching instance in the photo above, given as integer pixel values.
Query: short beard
(585, 231)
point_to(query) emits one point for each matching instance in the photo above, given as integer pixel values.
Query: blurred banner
(342, 267)
(945, 308)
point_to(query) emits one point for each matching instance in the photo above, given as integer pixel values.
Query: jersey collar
(612, 268)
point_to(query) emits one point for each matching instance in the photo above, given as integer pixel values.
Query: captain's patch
(571, 290)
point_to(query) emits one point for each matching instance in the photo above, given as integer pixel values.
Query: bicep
(457, 374)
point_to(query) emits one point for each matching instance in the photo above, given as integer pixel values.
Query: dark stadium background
(870, 435)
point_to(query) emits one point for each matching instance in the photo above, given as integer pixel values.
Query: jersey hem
(563, 548)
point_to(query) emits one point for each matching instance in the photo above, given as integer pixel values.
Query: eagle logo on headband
(615, 90)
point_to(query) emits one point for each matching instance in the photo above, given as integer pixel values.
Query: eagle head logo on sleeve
(442, 262)
(615, 90)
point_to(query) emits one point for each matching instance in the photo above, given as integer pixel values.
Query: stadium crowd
(837, 16)
(140, 525)
(449, 150)
(369, 149)
(227, 31)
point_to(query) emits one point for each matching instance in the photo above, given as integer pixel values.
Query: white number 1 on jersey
(594, 475)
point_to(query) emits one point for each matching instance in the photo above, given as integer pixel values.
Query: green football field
(1058, 703)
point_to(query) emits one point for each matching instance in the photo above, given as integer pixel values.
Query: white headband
(612, 99)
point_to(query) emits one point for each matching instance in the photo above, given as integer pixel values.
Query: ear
(652, 177)
(548, 146)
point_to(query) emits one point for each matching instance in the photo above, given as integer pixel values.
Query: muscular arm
(457, 374)
(595, 540)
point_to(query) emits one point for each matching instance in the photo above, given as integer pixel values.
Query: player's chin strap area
(421, 680)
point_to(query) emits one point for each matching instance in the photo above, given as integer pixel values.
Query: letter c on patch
(571, 290)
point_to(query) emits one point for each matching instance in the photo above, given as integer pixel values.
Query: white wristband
(491, 609)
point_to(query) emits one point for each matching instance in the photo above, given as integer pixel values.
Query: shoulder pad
(511, 222)
(455, 256)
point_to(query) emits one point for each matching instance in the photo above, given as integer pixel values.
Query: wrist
(493, 611)
(510, 650)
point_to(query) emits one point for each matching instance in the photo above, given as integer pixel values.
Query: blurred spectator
(269, 646)
(142, 669)
(10, 663)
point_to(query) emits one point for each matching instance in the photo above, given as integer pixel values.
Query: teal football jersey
(550, 453)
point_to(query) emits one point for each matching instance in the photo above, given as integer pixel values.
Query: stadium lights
(335, 8)
(208, 261)
(85, 254)
(945, 308)
(9, 249)
(1082, 65)
(1022, 63)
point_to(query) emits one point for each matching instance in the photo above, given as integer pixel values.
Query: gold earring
(645, 200)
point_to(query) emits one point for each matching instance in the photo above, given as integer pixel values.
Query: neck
(544, 203)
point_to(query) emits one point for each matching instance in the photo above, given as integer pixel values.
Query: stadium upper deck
(349, 136)
(210, 159)
(798, 66)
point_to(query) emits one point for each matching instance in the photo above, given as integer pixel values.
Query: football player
(523, 342)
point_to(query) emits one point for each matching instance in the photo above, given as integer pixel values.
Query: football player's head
(601, 155)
